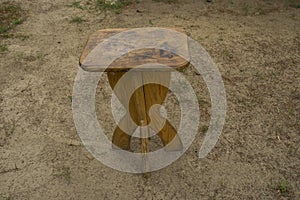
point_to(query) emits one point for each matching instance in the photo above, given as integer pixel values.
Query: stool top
(107, 50)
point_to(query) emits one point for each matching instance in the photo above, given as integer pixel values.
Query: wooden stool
(143, 97)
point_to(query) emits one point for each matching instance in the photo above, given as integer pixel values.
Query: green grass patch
(77, 4)
(18, 21)
(7, 35)
(77, 20)
(3, 48)
(22, 37)
(11, 15)
(294, 3)
(3, 197)
(282, 187)
(116, 6)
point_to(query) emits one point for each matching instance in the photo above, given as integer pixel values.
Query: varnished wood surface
(133, 58)
(145, 96)
(156, 94)
(137, 110)
(140, 103)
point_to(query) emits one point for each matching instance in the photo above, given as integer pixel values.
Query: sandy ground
(256, 46)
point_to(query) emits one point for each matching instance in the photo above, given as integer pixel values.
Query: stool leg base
(121, 140)
(169, 138)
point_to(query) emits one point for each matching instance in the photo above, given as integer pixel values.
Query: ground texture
(256, 46)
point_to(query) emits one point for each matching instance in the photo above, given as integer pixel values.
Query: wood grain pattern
(139, 107)
(144, 97)
(156, 94)
(133, 58)
(137, 110)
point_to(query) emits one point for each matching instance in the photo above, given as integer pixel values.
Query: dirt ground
(256, 46)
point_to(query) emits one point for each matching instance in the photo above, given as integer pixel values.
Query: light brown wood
(144, 97)
(137, 110)
(139, 107)
(156, 94)
(133, 58)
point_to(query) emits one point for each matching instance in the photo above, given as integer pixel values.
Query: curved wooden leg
(122, 138)
(139, 105)
(156, 94)
(136, 110)
(169, 137)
